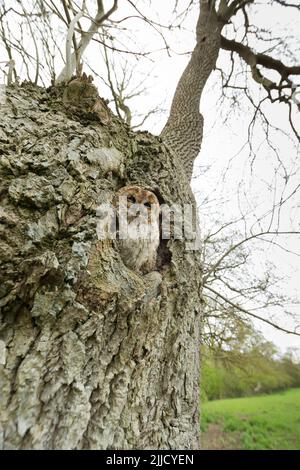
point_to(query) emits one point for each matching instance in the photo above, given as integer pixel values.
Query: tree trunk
(92, 354)
(183, 131)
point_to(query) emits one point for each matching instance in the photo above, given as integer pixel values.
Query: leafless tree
(94, 355)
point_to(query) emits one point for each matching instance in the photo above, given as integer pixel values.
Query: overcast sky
(236, 180)
(221, 153)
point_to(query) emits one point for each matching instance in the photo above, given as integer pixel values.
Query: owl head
(138, 202)
(137, 213)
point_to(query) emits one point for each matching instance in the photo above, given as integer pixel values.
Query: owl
(138, 227)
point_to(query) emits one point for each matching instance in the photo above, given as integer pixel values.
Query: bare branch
(234, 247)
(70, 37)
(284, 3)
(251, 314)
(86, 38)
(254, 59)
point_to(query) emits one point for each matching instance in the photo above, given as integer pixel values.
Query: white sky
(222, 141)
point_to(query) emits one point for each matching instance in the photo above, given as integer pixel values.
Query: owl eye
(131, 199)
(147, 204)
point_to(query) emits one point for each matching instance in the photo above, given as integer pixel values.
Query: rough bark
(92, 354)
(183, 131)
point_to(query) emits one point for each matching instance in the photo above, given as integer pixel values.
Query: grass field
(260, 422)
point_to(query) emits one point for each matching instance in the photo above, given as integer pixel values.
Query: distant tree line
(249, 365)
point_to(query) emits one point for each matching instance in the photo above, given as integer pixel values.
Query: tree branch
(234, 247)
(253, 59)
(70, 37)
(226, 11)
(184, 128)
(286, 4)
(251, 314)
(87, 37)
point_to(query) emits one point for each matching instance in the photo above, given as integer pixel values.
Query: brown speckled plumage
(138, 250)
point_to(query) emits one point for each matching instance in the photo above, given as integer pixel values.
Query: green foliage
(262, 422)
(247, 365)
(244, 365)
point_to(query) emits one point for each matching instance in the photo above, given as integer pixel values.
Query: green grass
(260, 422)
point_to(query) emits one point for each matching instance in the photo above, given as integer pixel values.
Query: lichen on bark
(92, 354)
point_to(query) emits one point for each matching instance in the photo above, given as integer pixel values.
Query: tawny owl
(138, 227)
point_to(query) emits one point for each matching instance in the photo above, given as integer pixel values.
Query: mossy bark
(92, 354)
